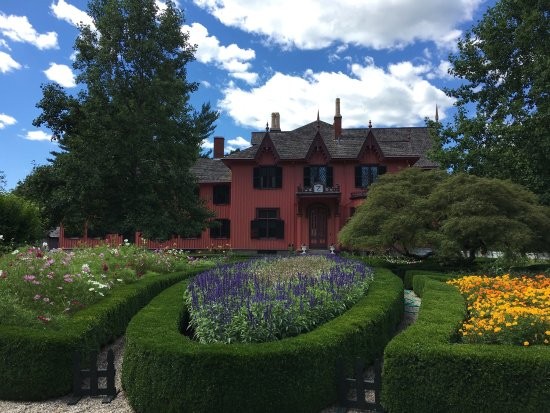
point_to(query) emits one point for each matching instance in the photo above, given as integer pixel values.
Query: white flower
(1, 237)
(85, 268)
(15, 252)
(91, 289)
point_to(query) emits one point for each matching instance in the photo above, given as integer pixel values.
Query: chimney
(218, 147)
(275, 122)
(337, 121)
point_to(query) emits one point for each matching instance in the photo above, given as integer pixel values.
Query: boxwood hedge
(166, 371)
(427, 370)
(36, 364)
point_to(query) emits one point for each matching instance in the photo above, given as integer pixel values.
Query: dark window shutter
(280, 229)
(381, 169)
(227, 227)
(256, 177)
(358, 176)
(307, 180)
(329, 176)
(254, 229)
(278, 177)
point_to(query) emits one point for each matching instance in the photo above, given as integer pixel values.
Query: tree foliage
(129, 137)
(395, 214)
(19, 221)
(502, 124)
(457, 215)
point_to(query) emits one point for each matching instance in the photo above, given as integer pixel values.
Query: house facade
(299, 187)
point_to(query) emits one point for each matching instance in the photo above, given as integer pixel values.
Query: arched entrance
(318, 215)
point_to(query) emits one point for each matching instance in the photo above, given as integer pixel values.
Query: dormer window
(268, 177)
(318, 175)
(365, 175)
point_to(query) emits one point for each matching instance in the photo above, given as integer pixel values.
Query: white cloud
(378, 24)
(237, 143)
(61, 74)
(206, 145)
(71, 14)
(231, 58)
(442, 71)
(6, 120)
(38, 135)
(397, 96)
(19, 29)
(7, 63)
(4, 44)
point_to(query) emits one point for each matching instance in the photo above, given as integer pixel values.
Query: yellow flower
(497, 329)
(525, 343)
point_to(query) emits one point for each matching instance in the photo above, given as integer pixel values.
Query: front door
(318, 227)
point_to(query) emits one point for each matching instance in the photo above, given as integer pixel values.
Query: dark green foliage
(501, 126)
(165, 371)
(395, 214)
(426, 370)
(36, 365)
(130, 136)
(411, 274)
(20, 221)
(453, 215)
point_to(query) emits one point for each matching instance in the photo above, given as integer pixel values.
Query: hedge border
(166, 371)
(426, 370)
(37, 364)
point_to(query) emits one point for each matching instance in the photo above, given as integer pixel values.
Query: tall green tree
(130, 136)
(2, 181)
(502, 125)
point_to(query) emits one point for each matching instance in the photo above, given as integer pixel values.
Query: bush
(166, 371)
(426, 370)
(36, 365)
(20, 222)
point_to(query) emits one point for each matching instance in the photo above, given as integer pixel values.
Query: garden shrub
(20, 222)
(410, 274)
(427, 370)
(37, 364)
(166, 371)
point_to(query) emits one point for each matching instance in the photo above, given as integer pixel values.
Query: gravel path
(120, 403)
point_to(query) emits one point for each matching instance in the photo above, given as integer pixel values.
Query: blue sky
(386, 60)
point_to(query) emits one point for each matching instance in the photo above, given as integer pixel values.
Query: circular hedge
(166, 371)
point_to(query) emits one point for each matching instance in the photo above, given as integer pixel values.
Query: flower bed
(426, 369)
(43, 288)
(270, 299)
(36, 364)
(506, 310)
(165, 371)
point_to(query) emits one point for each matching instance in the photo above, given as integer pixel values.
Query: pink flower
(46, 299)
(29, 278)
(37, 297)
(44, 319)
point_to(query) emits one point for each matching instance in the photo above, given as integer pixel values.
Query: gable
(318, 151)
(266, 153)
(370, 151)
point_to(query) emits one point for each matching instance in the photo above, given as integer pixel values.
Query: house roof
(411, 142)
(211, 170)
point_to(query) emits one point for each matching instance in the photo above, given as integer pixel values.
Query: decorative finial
(436, 113)
(267, 126)
(370, 124)
(318, 120)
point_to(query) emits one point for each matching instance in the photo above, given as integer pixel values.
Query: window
(267, 224)
(222, 230)
(317, 175)
(367, 174)
(221, 194)
(267, 177)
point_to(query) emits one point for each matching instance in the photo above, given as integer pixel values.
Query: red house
(299, 187)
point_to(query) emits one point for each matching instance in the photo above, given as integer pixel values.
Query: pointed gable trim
(318, 144)
(371, 143)
(266, 145)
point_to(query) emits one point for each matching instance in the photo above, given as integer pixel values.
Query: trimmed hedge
(37, 364)
(427, 370)
(165, 371)
(410, 274)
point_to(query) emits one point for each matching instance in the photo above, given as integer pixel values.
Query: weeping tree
(456, 215)
(129, 137)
